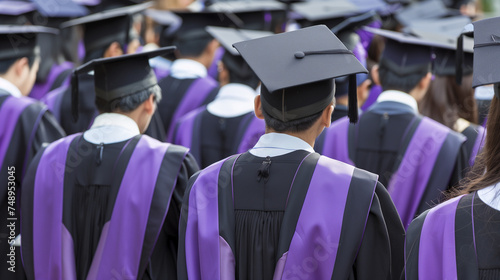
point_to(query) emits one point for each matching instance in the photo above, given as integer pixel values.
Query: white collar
(277, 144)
(400, 97)
(187, 69)
(491, 196)
(10, 88)
(111, 128)
(232, 100)
(484, 92)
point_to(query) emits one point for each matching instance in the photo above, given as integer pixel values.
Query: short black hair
(390, 80)
(297, 125)
(192, 44)
(239, 71)
(7, 63)
(128, 103)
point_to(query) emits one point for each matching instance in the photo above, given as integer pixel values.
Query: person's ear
(149, 105)
(258, 107)
(20, 66)
(223, 73)
(425, 81)
(212, 47)
(375, 74)
(113, 50)
(326, 116)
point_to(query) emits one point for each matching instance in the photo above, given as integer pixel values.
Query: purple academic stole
(10, 110)
(336, 144)
(208, 255)
(437, 256)
(185, 127)
(478, 145)
(372, 97)
(194, 98)
(121, 242)
(41, 89)
(408, 184)
(255, 129)
(213, 69)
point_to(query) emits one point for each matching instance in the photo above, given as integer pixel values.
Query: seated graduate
(281, 210)
(458, 239)
(416, 157)
(107, 202)
(25, 126)
(107, 34)
(227, 125)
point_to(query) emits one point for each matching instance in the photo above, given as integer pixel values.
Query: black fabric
(340, 111)
(86, 106)
(471, 132)
(29, 137)
(464, 240)
(483, 106)
(60, 79)
(156, 129)
(412, 244)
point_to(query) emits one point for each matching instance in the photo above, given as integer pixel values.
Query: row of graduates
(248, 213)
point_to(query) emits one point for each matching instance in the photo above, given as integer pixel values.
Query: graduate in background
(458, 239)
(281, 210)
(416, 157)
(227, 125)
(25, 126)
(105, 204)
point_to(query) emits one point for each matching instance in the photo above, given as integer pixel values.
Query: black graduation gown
(476, 233)
(35, 127)
(173, 91)
(264, 224)
(87, 110)
(90, 194)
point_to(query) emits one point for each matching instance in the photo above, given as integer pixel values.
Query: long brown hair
(446, 101)
(486, 169)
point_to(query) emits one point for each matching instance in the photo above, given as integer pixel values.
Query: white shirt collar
(277, 144)
(187, 69)
(232, 100)
(491, 196)
(10, 88)
(111, 128)
(400, 97)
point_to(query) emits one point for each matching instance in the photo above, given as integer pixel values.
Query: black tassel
(459, 59)
(264, 170)
(74, 95)
(353, 99)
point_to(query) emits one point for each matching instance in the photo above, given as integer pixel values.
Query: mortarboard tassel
(459, 59)
(74, 95)
(353, 99)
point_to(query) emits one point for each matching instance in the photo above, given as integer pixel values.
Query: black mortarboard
(60, 8)
(325, 12)
(18, 41)
(297, 70)
(486, 48)
(168, 23)
(15, 12)
(117, 77)
(404, 53)
(227, 37)
(425, 10)
(103, 28)
(257, 15)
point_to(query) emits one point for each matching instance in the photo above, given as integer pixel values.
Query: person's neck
(309, 136)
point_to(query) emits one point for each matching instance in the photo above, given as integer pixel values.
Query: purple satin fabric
(202, 231)
(49, 253)
(193, 99)
(280, 266)
(212, 70)
(10, 110)
(437, 257)
(375, 91)
(68, 255)
(408, 184)
(121, 250)
(254, 131)
(478, 145)
(365, 36)
(41, 89)
(227, 262)
(336, 141)
(315, 242)
(185, 126)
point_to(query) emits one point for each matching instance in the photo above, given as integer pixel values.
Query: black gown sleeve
(381, 255)
(163, 264)
(47, 132)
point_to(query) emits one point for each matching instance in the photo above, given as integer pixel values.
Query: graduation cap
(15, 12)
(106, 27)
(486, 45)
(257, 15)
(117, 77)
(60, 9)
(18, 41)
(168, 23)
(325, 12)
(297, 70)
(425, 10)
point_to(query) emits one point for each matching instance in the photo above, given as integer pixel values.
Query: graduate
(458, 239)
(416, 158)
(105, 203)
(188, 85)
(227, 125)
(25, 127)
(281, 210)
